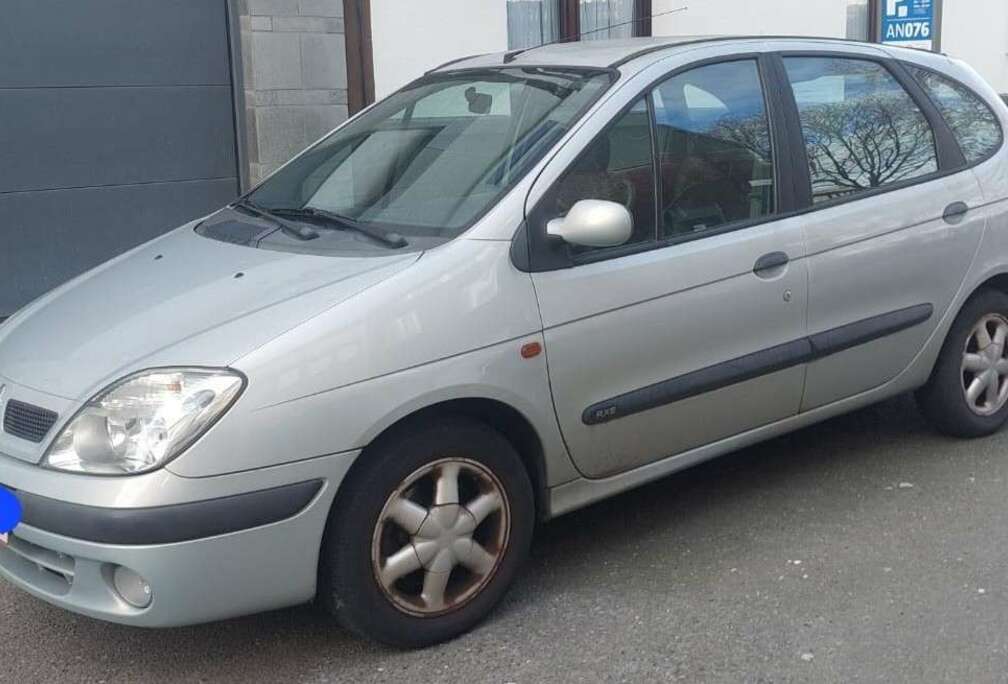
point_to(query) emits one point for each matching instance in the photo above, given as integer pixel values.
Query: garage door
(116, 125)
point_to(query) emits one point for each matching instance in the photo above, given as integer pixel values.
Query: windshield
(435, 156)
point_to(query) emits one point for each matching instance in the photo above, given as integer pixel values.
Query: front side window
(862, 129)
(974, 124)
(714, 149)
(618, 166)
(432, 158)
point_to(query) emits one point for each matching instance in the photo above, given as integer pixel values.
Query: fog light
(133, 588)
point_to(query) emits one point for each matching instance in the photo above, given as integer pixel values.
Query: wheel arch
(511, 423)
(998, 281)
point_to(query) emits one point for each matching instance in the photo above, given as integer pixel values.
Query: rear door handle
(955, 212)
(770, 264)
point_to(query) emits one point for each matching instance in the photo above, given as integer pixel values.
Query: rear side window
(974, 124)
(714, 149)
(862, 130)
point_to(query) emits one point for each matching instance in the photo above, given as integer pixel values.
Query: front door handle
(955, 212)
(770, 265)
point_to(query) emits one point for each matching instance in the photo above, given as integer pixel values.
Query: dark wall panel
(112, 42)
(117, 123)
(76, 137)
(50, 237)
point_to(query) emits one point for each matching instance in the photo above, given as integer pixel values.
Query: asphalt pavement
(868, 548)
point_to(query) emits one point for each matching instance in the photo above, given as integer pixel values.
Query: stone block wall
(295, 73)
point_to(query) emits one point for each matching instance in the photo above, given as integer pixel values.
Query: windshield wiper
(299, 232)
(344, 223)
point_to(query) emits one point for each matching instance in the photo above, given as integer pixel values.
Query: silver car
(521, 284)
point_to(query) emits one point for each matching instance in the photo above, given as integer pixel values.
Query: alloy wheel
(440, 537)
(985, 366)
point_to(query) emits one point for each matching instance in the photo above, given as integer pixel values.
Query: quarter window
(862, 129)
(714, 149)
(974, 124)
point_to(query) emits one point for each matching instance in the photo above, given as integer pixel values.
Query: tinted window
(862, 129)
(434, 156)
(974, 124)
(714, 148)
(617, 166)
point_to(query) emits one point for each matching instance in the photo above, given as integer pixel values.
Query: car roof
(605, 54)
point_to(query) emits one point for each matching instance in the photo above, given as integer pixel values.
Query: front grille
(27, 421)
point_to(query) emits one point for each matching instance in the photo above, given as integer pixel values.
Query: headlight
(144, 421)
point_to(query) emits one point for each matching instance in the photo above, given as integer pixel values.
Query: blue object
(10, 510)
(908, 22)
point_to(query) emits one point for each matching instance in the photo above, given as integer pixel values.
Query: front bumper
(239, 544)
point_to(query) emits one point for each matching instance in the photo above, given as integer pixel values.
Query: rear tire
(967, 394)
(427, 533)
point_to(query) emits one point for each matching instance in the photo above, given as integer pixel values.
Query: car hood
(182, 299)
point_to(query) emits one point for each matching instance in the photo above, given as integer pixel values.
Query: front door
(695, 330)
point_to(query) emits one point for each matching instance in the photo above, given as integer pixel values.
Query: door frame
(543, 254)
(359, 54)
(237, 93)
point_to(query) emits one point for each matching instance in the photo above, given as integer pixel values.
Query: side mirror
(593, 223)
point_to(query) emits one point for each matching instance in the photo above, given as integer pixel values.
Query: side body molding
(803, 350)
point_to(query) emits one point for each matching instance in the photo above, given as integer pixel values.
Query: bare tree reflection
(862, 130)
(866, 143)
(974, 124)
(750, 133)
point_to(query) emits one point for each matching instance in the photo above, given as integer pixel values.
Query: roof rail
(510, 56)
(718, 39)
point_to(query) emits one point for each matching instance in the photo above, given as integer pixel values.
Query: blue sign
(910, 23)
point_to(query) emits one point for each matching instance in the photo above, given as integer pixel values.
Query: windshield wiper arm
(299, 232)
(386, 237)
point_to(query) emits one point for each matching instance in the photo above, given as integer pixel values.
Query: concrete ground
(868, 548)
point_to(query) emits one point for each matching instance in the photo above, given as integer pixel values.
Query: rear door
(890, 236)
(695, 331)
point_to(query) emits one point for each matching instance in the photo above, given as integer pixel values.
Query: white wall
(752, 17)
(411, 36)
(977, 31)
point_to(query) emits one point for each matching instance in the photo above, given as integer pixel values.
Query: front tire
(967, 394)
(427, 534)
